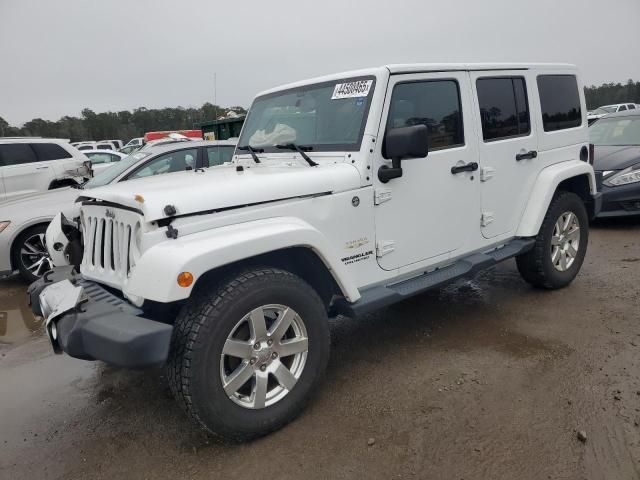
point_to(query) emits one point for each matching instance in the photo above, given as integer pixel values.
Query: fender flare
(155, 274)
(544, 189)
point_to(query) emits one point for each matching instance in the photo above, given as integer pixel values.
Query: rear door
(508, 156)
(22, 172)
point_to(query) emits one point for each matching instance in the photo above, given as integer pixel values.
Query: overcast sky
(60, 56)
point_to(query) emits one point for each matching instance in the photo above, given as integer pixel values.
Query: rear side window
(560, 102)
(631, 106)
(434, 103)
(49, 151)
(504, 110)
(219, 155)
(17, 154)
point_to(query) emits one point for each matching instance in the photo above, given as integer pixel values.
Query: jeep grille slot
(110, 244)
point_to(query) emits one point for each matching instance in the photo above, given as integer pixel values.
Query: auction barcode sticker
(352, 89)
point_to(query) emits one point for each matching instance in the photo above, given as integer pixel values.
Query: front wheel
(560, 246)
(30, 254)
(247, 355)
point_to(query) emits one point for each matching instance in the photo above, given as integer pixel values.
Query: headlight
(4, 225)
(624, 177)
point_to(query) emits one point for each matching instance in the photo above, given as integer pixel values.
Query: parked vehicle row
(24, 220)
(346, 193)
(600, 112)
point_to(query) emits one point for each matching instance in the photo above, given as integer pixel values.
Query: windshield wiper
(252, 151)
(301, 150)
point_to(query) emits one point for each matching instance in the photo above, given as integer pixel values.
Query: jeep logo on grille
(110, 213)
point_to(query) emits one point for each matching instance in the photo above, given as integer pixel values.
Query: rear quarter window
(559, 101)
(49, 151)
(16, 154)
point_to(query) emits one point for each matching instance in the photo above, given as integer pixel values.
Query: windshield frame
(328, 147)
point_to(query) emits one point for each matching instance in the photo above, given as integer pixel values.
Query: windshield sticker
(352, 89)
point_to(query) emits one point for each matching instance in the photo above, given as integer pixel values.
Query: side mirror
(402, 143)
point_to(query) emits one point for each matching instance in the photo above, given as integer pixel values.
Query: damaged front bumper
(86, 321)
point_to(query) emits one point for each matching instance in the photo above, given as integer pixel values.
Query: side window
(17, 154)
(560, 102)
(631, 106)
(504, 110)
(219, 154)
(99, 158)
(178, 161)
(622, 108)
(434, 103)
(114, 158)
(49, 151)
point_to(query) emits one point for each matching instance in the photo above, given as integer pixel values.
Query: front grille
(110, 243)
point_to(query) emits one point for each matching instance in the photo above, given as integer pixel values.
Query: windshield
(600, 111)
(111, 173)
(615, 131)
(607, 109)
(329, 116)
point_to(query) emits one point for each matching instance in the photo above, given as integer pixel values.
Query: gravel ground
(484, 379)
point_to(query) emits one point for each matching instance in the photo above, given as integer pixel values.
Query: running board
(381, 296)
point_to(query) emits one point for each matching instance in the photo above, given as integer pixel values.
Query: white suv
(29, 165)
(347, 193)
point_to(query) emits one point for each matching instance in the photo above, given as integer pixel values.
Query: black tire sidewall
(567, 202)
(210, 403)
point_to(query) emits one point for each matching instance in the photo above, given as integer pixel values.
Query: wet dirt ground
(484, 379)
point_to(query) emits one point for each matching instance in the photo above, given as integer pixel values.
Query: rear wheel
(30, 254)
(560, 246)
(247, 355)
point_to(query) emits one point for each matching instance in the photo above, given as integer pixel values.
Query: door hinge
(486, 218)
(384, 246)
(487, 173)
(381, 195)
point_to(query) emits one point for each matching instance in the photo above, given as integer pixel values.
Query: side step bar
(384, 295)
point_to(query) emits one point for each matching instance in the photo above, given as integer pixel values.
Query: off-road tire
(535, 266)
(202, 327)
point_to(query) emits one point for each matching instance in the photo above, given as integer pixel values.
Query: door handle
(526, 156)
(469, 167)
(41, 168)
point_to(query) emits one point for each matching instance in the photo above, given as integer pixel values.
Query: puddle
(17, 323)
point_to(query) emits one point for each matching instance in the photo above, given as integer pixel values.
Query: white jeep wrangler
(346, 193)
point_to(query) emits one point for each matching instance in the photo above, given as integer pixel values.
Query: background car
(139, 141)
(102, 159)
(29, 165)
(600, 112)
(129, 149)
(24, 220)
(616, 140)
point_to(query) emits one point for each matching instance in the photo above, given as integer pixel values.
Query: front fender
(544, 189)
(155, 274)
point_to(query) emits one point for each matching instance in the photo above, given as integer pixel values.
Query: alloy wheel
(264, 356)
(565, 241)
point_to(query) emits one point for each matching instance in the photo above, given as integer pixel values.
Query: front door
(431, 212)
(508, 158)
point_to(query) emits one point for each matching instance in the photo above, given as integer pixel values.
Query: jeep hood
(224, 187)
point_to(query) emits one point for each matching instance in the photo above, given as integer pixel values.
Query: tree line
(127, 124)
(123, 125)
(610, 93)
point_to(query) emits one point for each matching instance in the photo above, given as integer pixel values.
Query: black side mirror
(402, 143)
